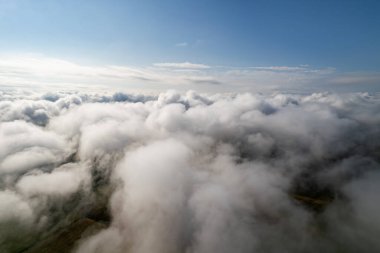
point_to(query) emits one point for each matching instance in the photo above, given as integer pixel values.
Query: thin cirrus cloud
(44, 72)
(181, 65)
(280, 68)
(182, 44)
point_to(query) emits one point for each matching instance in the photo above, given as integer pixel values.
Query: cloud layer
(192, 173)
(37, 71)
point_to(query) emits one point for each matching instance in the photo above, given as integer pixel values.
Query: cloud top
(185, 172)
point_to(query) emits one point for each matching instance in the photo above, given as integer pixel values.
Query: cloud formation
(192, 173)
(36, 71)
(181, 65)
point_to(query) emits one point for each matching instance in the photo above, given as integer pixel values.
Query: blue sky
(340, 36)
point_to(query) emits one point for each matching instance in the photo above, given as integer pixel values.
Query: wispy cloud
(354, 78)
(181, 65)
(191, 44)
(206, 80)
(182, 44)
(41, 71)
(279, 68)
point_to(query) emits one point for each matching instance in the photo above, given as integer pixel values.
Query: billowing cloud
(185, 172)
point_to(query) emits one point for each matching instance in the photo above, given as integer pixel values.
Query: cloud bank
(192, 173)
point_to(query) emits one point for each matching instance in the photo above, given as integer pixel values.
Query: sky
(203, 45)
(190, 126)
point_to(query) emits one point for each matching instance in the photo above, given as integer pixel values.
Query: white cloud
(36, 71)
(355, 78)
(63, 181)
(192, 173)
(181, 65)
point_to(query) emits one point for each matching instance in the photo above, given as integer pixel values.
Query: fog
(187, 172)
